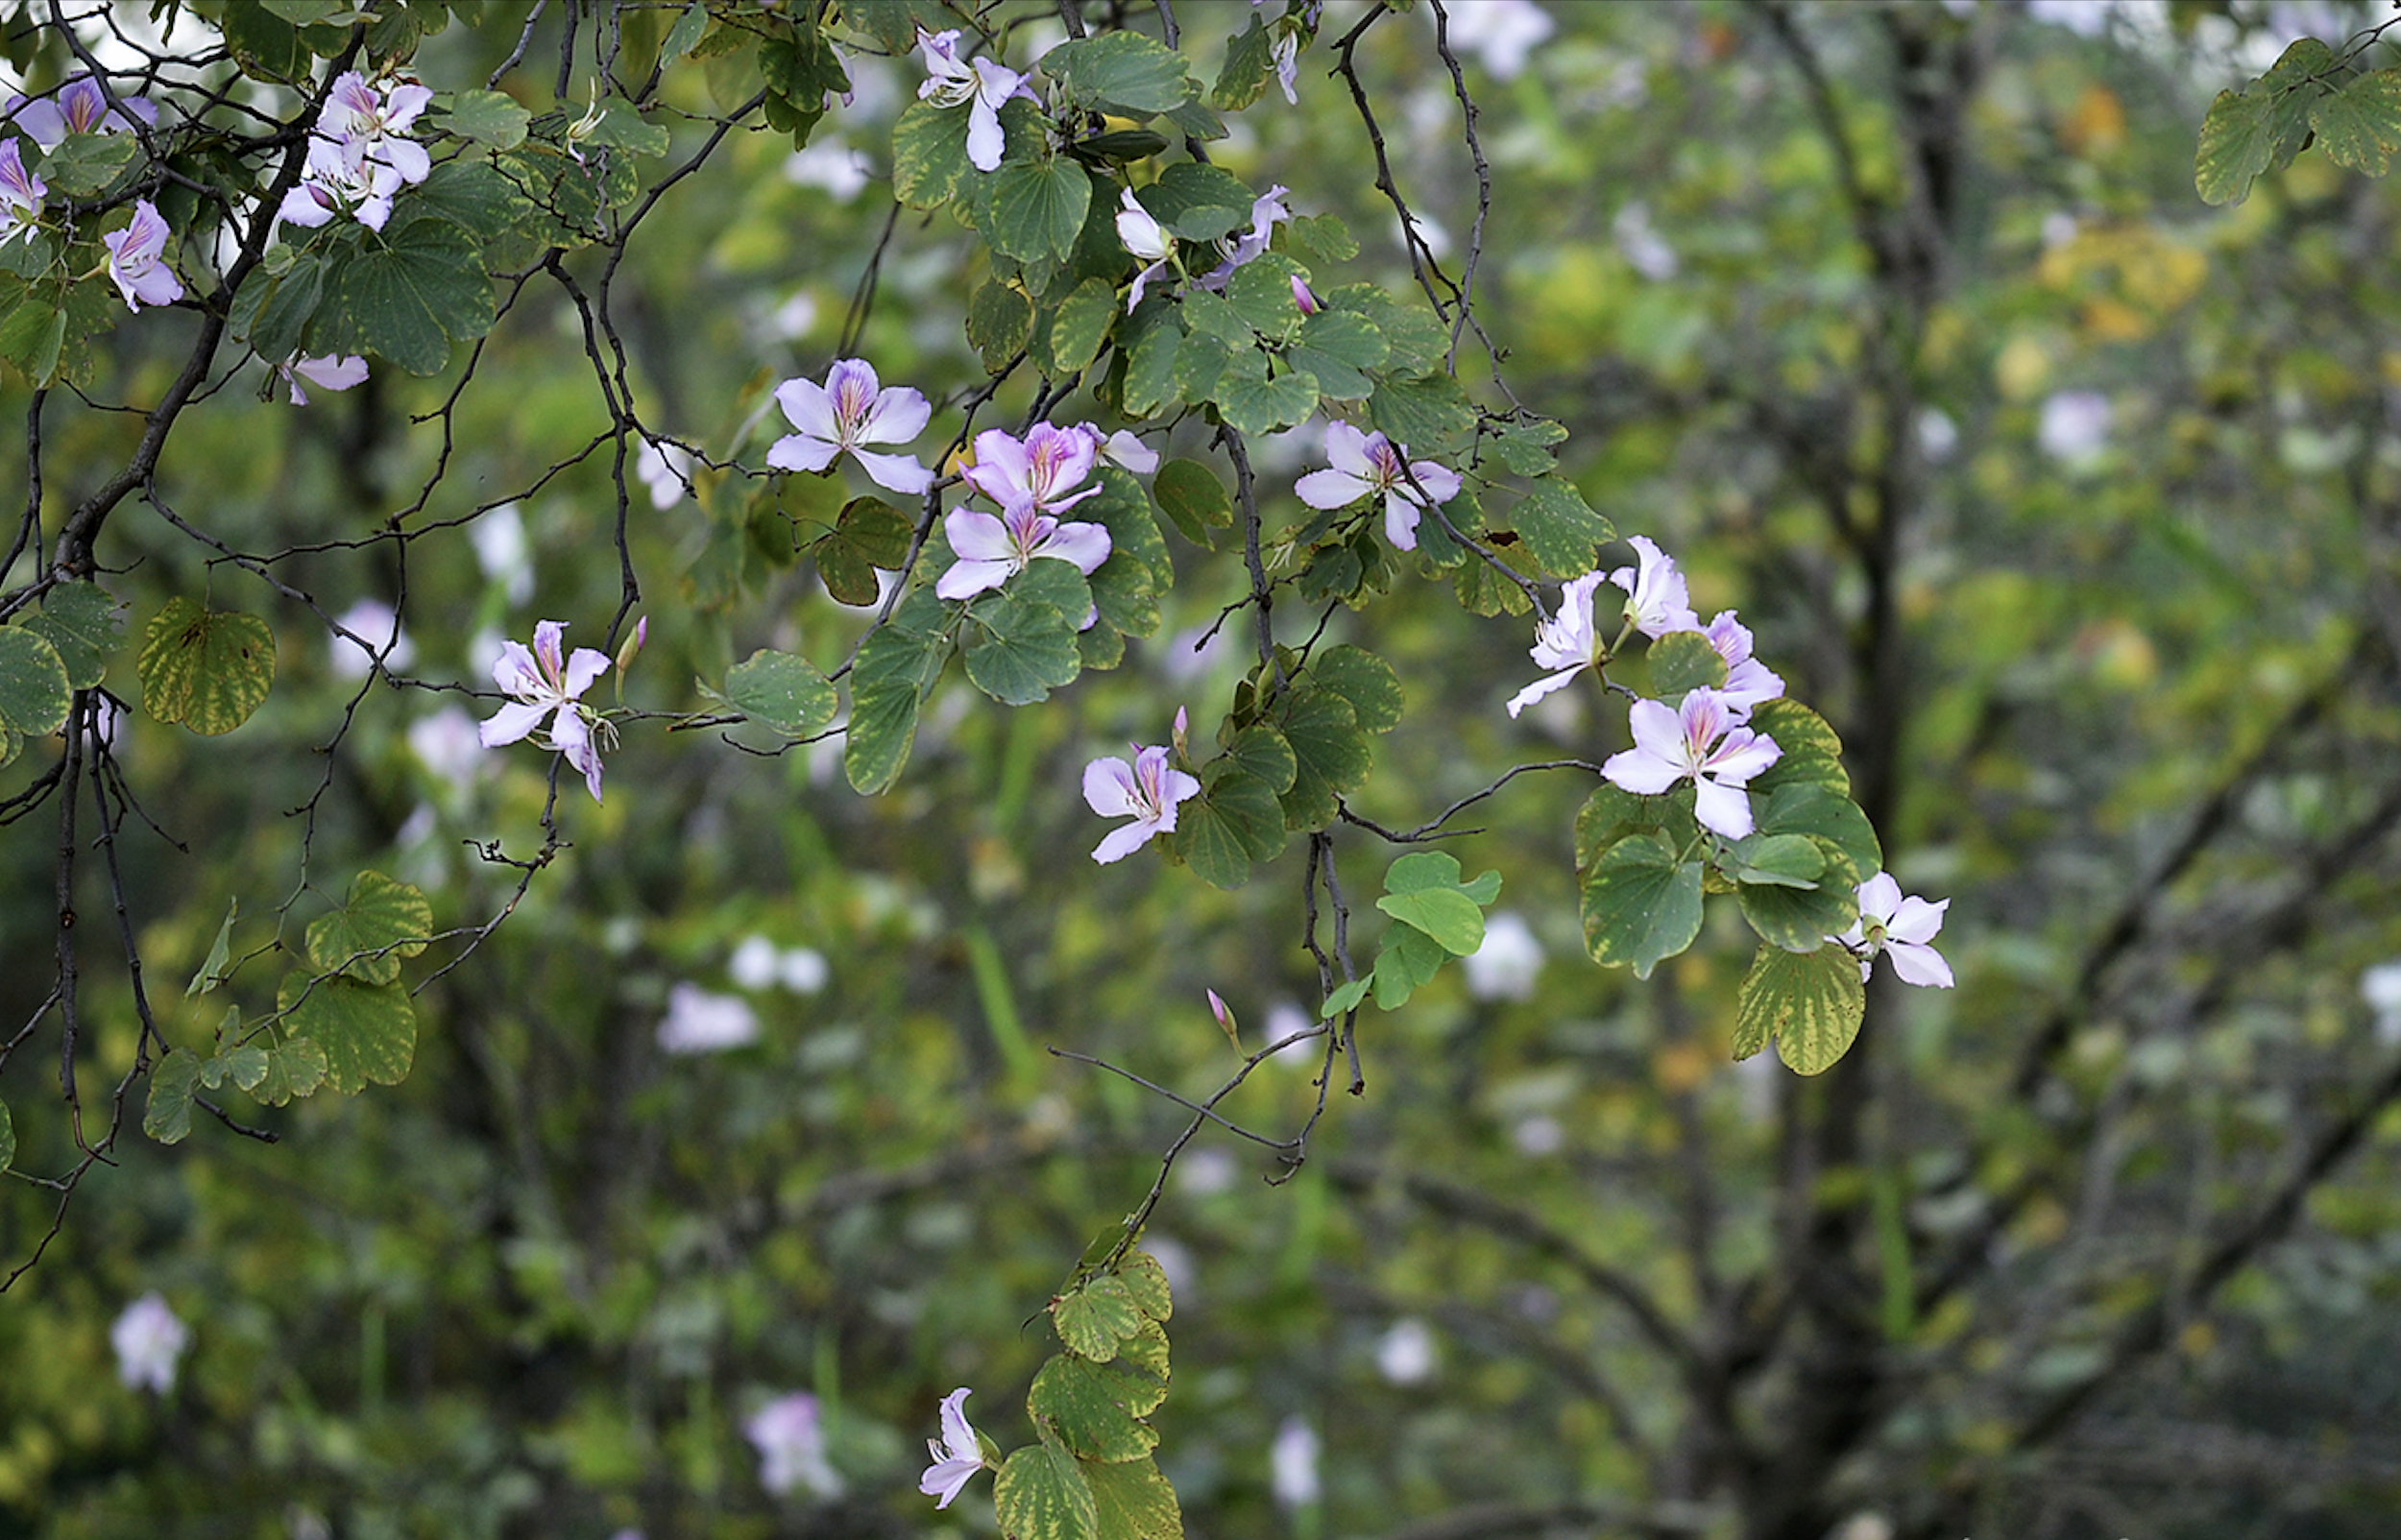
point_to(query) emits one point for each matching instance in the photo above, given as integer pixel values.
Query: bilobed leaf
(406, 294)
(930, 155)
(1339, 347)
(1800, 919)
(1333, 753)
(1364, 679)
(1406, 961)
(1082, 319)
(167, 1117)
(1217, 832)
(2360, 125)
(1193, 499)
(1095, 1318)
(1811, 1003)
(1133, 1502)
(999, 317)
(1640, 903)
(1682, 661)
(1347, 997)
(781, 691)
(1038, 207)
(1020, 646)
(272, 310)
(1152, 341)
(35, 693)
(246, 1066)
(1813, 755)
(1257, 406)
(1041, 1495)
(1146, 1285)
(1429, 415)
(380, 922)
(1835, 822)
(2247, 132)
(207, 669)
(81, 621)
(883, 729)
(1260, 292)
(1121, 70)
(488, 117)
(1262, 753)
(1781, 860)
(1079, 1400)
(265, 45)
(295, 1068)
(1560, 528)
(1199, 201)
(1611, 813)
(1445, 914)
(1321, 238)
(84, 165)
(1249, 59)
(367, 1033)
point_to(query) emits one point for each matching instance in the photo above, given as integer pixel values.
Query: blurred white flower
(449, 741)
(148, 1339)
(795, 317)
(500, 546)
(1205, 1172)
(1503, 32)
(698, 1022)
(664, 468)
(758, 963)
(1284, 1019)
(1537, 1135)
(753, 963)
(830, 165)
(2076, 424)
(1641, 245)
(790, 1440)
(802, 970)
(1293, 1464)
(2381, 987)
(1406, 1354)
(2086, 18)
(1508, 964)
(1937, 435)
(375, 621)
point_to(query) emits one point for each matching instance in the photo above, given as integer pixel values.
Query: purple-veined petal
(896, 416)
(510, 723)
(1331, 489)
(1400, 519)
(1741, 755)
(1441, 482)
(1111, 790)
(799, 452)
(809, 409)
(1087, 545)
(895, 472)
(1346, 449)
(978, 537)
(587, 665)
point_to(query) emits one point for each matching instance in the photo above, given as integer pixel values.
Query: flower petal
(1110, 788)
(1330, 489)
(1725, 808)
(809, 408)
(897, 472)
(1641, 772)
(1918, 964)
(799, 452)
(1543, 686)
(510, 723)
(899, 415)
(1087, 545)
(588, 665)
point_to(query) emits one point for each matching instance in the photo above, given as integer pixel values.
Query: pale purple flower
(449, 743)
(543, 680)
(79, 107)
(137, 259)
(1147, 239)
(148, 1339)
(337, 182)
(20, 193)
(1366, 465)
(698, 1022)
(374, 624)
(956, 1457)
(1568, 642)
(1699, 740)
(991, 550)
(853, 408)
(980, 83)
(1901, 927)
(1284, 48)
(333, 371)
(1123, 448)
(790, 1439)
(1146, 791)
(1042, 470)
(1656, 600)
(1748, 680)
(1303, 297)
(1293, 1464)
(1267, 211)
(665, 468)
(2075, 424)
(373, 125)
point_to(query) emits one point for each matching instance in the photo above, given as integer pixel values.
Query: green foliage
(381, 922)
(1642, 902)
(1810, 1003)
(365, 1032)
(35, 692)
(206, 669)
(1684, 661)
(784, 692)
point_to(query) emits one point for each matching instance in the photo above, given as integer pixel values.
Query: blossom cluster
(360, 154)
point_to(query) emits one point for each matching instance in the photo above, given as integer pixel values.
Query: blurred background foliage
(2071, 501)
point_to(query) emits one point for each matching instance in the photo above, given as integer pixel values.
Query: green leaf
(1094, 1318)
(381, 922)
(1249, 59)
(297, 1069)
(368, 1032)
(1119, 146)
(207, 669)
(1079, 1401)
(1811, 1003)
(212, 968)
(487, 117)
(2245, 133)
(1193, 499)
(1322, 239)
(1041, 1495)
(1120, 71)
(883, 729)
(1260, 292)
(1254, 406)
(1233, 821)
(33, 333)
(1610, 813)
(81, 622)
(8, 1137)
(84, 165)
(781, 691)
(1333, 754)
(1561, 529)
(1426, 871)
(1682, 661)
(407, 294)
(265, 45)
(1525, 446)
(1339, 347)
(167, 1117)
(1835, 822)
(621, 127)
(1084, 319)
(34, 695)
(1199, 201)
(1641, 904)
(1428, 415)
(930, 155)
(869, 533)
(1813, 755)
(1800, 919)
(999, 317)
(1345, 999)
(271, 311)
(1448, 915)
(1364, 679)
(1781, 860)
(1146, 1285)
(1152, 341)
(1260, 750)
(1025, 644)
(1038, 207)
(2360, 125)
(1407, 961)
(246, 1066)
(1125, 511)
(1133, 1502)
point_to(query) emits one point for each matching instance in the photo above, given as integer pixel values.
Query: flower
(148, 1339)
(956, 1457)
(1293, 1464)
(375, 636)
(1506, 966)
(334, 372)
(20, 193)
(1406, 1354)
(698, 1022)
(758, 963)
(1504, 31)
(2074, 425)
(1899, 928)
(665, 468)
(336, 181)
(993, 550)
(1364, 464)
(541, 680)
(1266, 210)
(449, 743)
(790, 1441)
(1748, 680)
(980, 83)
(1697, 739)
(1303, 297)
(1122, 447)
(371, 125)
(134, 259)
(1285, 50)
(1655, 599)
(1145, 790)
(852, 408)
(500, 550)
(1040, 472)
(79, 107)
(1146, 239)
(1568, 641)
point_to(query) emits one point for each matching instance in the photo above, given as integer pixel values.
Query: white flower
(956, 1457)
(981, 83)
(1697, 739)
(373, 623)
(1406, 1354)
(1568, 642)
(790, 1440)
(2074, 425)
(1293, 1464)
(1366, 463)
(148, 1339)
(502, 550)
(544, 682)
(332, 372)
(1146, 791)
(665, 468)
(1899, 928)
(1508, 964)
(1504, 33)
(698, 1022)
(1656, 600)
